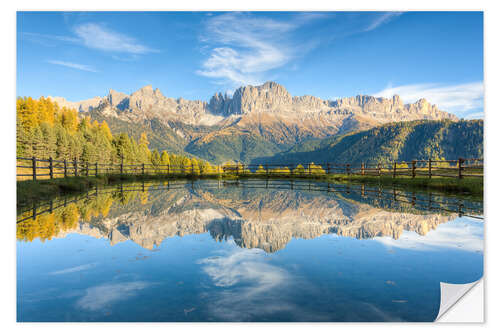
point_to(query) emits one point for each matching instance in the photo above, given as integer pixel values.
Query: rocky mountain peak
(396, 100)
(158, 93)
(422, 102)
(268, 97)
(118, 99)
(146, 88)
(145, 98)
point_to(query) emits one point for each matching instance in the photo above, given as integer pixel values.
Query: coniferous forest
(46, 130)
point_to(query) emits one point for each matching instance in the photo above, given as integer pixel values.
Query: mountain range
(265, 219)
(255, 122)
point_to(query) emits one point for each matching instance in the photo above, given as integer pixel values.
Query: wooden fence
(34, 169)
(424, 202)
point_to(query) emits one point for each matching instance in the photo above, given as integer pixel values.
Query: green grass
(466, 186)
(30, 191)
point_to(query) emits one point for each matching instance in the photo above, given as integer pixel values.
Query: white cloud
(243, 48)
(250, 287)
(43, 38)
(463, 233)
(97, 36)
(81, 67)
(460, 99)
(381, 18)
(73, 269)
(244, 266)
(474, 115)
(98, 297)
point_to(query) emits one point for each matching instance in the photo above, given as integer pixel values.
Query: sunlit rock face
(270, 98)
(268, 220)
(267, 114)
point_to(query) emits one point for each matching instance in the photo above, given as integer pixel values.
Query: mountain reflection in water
(254, 215)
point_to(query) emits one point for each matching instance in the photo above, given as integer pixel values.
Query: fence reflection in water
(382, 197)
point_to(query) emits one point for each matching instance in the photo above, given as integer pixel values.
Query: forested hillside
(401, 141)
(255, 122)
(45, 130)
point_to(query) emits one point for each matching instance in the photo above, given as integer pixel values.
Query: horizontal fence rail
(32, 168)
(430, 202)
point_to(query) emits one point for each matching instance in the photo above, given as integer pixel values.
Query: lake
(252, 250)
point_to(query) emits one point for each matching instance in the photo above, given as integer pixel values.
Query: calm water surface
(251, 251)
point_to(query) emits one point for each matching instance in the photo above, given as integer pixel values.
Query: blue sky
(79, 55)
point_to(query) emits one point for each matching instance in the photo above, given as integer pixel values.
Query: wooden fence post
(460, 162)
(65, 169)
(96, 168)
(362, 169)
(394, 170)
(348, 167)
(379, 171)
(267, 170)
(121, 167)
(51, 168)
(168, 169)
(75, 164)
(413, 169)
(143, 171)
(430, 168)
(87, 170)
(34, 167)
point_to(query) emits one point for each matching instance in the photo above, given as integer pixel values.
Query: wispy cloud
(97, 36)
(250, 287)
(463, 234)
(73, 269)
(99, 297)
(45, 39)
(381, 18)
(244, 47)
(462, 99)
(81, 67)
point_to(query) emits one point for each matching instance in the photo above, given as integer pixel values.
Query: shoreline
(29, 191)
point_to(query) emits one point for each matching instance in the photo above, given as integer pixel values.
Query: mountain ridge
(268, 220)
(268, 97)
(256, 121)
(400, 141)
